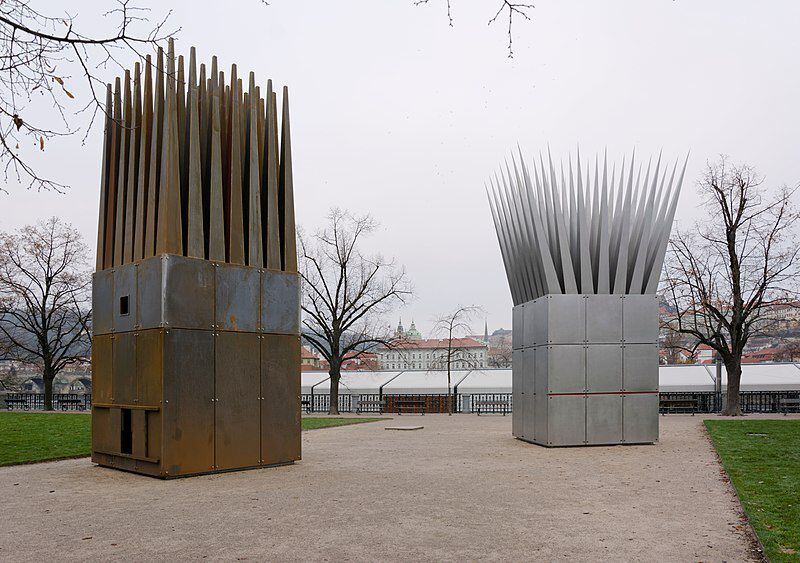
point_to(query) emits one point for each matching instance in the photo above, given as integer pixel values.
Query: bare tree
(40, 54)
(451, 326)
(347, 293)
(506, 9)
(45, 301)
(499, 357)
(724, 277)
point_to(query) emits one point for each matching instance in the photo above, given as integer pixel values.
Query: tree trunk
(48, 378)
(334, 395)
(449, 394)
(732, 402)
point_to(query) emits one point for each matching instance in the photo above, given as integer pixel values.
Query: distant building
(427, 354)
(309, 360)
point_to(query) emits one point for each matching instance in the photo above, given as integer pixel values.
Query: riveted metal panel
(640, 418)
(566, 319)
(564, 366)
(603, 319)
(517, 326)
(237, 301)
(640, 319)
(102, 302)
(640, 367)
(280, 408)
(188, 438)
(540, 315)
(280, 303)
(105, 429)
(149, 366)
(188, 293)
(540, 417)
(149, 292)
(124, 301)
(529, 324)
(102, 367)
(603, 419)
(603, 368)
(237, 405)
(124, 371)
(528, 390)
(154, 434)
(567, 417)
(139, 432)
(517, 378)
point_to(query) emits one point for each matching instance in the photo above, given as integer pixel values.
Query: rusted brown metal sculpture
(196, 358)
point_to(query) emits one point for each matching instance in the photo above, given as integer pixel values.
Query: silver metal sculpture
(583, 251)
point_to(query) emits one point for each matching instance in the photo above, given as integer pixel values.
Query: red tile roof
(438, 343)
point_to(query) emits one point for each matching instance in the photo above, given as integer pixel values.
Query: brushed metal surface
(566, 319)
(567, 418)
(640, 319)
(603, 368)
(529, 392)
(517, 327)
(603, 319)
(564, 367)
(603, 419)
(640, 367)
(237, 406)
(640, 418)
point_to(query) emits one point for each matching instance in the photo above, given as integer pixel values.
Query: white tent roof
(309, 379)
(423, 382)
(486, 381)
(767, 377)
(674, 378)
(685, 378)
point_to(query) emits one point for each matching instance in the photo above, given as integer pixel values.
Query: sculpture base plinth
(585, 370)
(196, 367)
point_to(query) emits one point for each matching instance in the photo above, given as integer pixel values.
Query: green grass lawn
(762, 458)
(28, 437)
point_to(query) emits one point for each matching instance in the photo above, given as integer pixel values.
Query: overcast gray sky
(397, 114)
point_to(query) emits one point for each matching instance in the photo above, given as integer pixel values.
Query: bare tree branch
(345, 293)
(38, 53)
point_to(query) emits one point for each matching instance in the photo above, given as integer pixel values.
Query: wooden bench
(677, 405)
(492, 405)
(362, 404)
(789, 404)
(418, 405)
(306, 404)
(66, 403)
(21, 403)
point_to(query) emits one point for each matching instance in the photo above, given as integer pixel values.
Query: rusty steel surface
(188, 411)
(123, 374)
(236, 299)
(237, 407)
(280, 409)
(196, 356)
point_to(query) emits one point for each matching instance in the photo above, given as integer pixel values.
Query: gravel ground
(461, 488)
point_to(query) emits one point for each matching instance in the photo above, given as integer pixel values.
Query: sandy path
(462, 488)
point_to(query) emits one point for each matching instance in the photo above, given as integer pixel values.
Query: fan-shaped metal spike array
(194, 167)
(581, 232)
